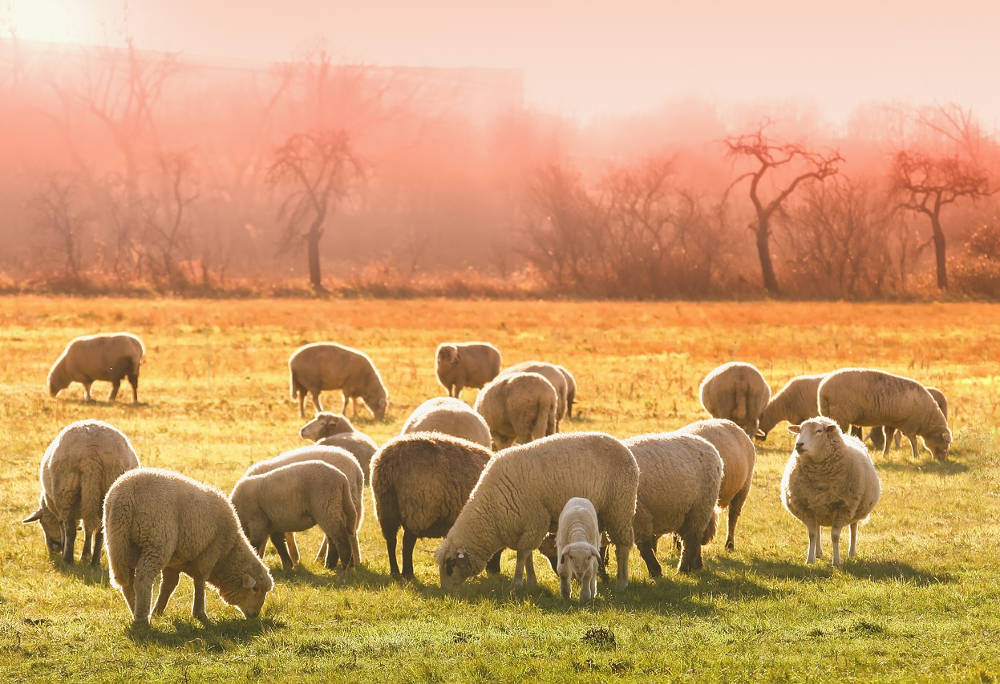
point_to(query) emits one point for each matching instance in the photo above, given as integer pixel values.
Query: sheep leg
(343, 410)
(735, 508)
(690, 554)
(323, 548)
(146, 570)
(529, 566)
(301, 395)
(86, 391)
(343, 544)
(885, 448)
(493, 564)
(565, 588)
(332, 554)
(647, 550)
(835, 539)
(621, 557)
(95, 560)
(913, 446)
(167, 585)
(316, 403)
(198, 605)
(897, 438)
(877, 436)
(278, 539)
(133, 379)
(518, 580)
(354, 407)
(115, 384)
(409, 541)
(390, 547)
(813, 530)
(293, 548)
(87, 538)
(69, 540)
(854, 540)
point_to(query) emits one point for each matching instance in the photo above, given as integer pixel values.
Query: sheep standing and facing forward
(578, 548)
(157, 520)
(518, 407)
(321, 366)
(829, 481)
(736, 391)
(77, 470)
(106, 356)
(466, 364)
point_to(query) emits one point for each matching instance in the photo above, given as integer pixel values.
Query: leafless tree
(58, 216)
(772, 158)
(166, 231)
(927, 184)
(320, 170)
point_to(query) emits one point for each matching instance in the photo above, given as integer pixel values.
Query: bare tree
(56, 216)
(166, 234)
(320, 169)
(928, 183)
(771, 158)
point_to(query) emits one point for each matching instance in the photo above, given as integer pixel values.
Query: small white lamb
(578, 540)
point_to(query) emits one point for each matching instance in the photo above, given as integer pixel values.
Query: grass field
(920, 601)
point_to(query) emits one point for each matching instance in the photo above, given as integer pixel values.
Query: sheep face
(454, 566)
(50, 527)
(447, 355)
(939, 444)
(248, 596)
(378, 405)
(814, 437)
(578, 561)
(325, 424)
(57, 380)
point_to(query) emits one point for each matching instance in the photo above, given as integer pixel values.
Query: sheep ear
(760, 434)
(37, 515)
(795, 428)
(830, 428)
(249, 582)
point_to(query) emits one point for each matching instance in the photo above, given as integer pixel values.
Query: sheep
(738, 459)
(325, 424)
(339, 458)
(551, 373)
(869, 397)
(879, 434)
(334, 429)
(570, 390)
(578, 544)
(293, 498)
(420, 482)
(795, 402)
(518, 407)
(521, 493)
(451, 417)
(78, 468)
(829, 480)
(158, 520)
(679, 479)
(736, 391)
(325, 366)
(466, 364)
(105, 356)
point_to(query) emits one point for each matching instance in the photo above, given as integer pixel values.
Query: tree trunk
(315, 277)
(939, 253)
(764, 253)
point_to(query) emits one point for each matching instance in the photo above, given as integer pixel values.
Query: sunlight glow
(47, 20)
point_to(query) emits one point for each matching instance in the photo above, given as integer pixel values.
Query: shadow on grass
(102, 403)
(876, 571)
(928, 466)
(217, 636)
(316, 575)
(884, 571)
(82, 570)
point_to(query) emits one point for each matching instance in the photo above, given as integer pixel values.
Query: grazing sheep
(830, 480)
(878, 434)
(736, 391)
(521, 493)
(339, 458)
(420, 482)
(326, 366)
(795, 402)
(106, 356)
(78, 468)
(679, 479)
(361, 446)
(294, 498)
(450, 417)
(325, 424)
(738, 459)
(570, 390)
(157, 520)
(518, 407)
(466, 364)
(578, 547)
(868, 397)
(551, 373)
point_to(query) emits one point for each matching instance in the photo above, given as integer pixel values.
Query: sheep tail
(544, 421)
(710, 528)
(294, 385)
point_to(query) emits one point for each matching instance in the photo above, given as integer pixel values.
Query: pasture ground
(920, 601)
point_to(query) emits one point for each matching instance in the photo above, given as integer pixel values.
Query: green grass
(919, 602)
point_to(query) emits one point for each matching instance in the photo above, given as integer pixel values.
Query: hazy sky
(592, 58)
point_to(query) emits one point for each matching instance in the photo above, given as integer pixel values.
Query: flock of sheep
(487, 478)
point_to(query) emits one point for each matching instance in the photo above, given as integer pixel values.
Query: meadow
(918, 603)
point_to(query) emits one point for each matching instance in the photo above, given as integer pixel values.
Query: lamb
(420, 482)
(157, 520)
(738, 459)
(334, 429)
(868, 397)
(451, 417)
(570, 390)
(78, 468)
(325, 366)
(522, 492)
(466, 364)
(551, 373)
(518, 407)
(736, 391)
(293, 498)
(105, 356)
(878, 434)
(339, 458)
(829, 480)
(679, 479)
(578, 544)
(795, 402)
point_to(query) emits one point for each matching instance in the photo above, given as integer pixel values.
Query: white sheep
(736, 391)
(105, 356)
(334, 429)
(466, 364)
(795, 402)
(879, 434)
(518, 407)
(449, 416)
(294, 498)
(78, 468)
(829, 480)
(869, 397)
(521, 493)
(738, 459)
(326, 366)
(550, 372)
(679, 479)
(160, 521)
(570, 390)
(578, 544)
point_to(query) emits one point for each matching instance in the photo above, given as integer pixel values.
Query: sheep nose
(800, 447)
